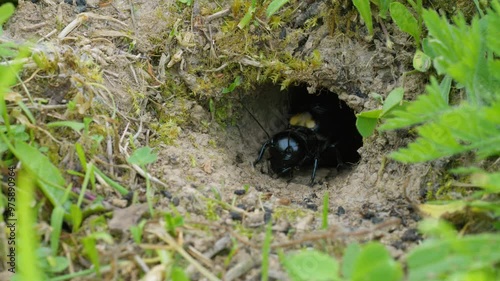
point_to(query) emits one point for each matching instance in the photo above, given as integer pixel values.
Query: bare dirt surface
(152, 94)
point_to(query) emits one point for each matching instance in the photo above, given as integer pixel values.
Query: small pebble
(235, 216)
(307, 200)
(399, 245)
(176, 201)
(415, 216)
(283, 201)
(340, 211)
(312, 206)
(129, 196)
(368, 215)
(240, 192)
(254, 220)
(267, 216)
(242, 206)
(283, 33)
(121, 203)
(239, 158)
(411, 235)
(81, 5)
(167, 194)
(376, 220)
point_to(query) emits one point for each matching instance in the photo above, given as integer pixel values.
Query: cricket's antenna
(253, 117)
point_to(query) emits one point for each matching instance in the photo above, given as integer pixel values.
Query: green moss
(259, 42)
(243, 231)
(167, 132)
(341, 18)
(289, 213)
(275, 22)
(211, 210)
(222, 111)
(466, 7)
(212, 143)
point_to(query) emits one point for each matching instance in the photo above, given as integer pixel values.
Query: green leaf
(444, 257)
(187, 2)
(436, 141)
(27, 240)
(445, 87)
(178, 274)
(421, 61)
(232, 86)
(427, 48)
(56, 221)
(472, 126)
(211, 105)
(6, 11)
(76, 126)
(81, 155)
(274, 6)
(384, 7)
(426, 108)
(493, 32)
(394, 99)
(366, 125)
(348, 261)
(143, 156)
(375, 263)
(27, 112)
(326, 205)
(76, 217)
(248, 15)
(469, 124)
(122, 190)
(494, 68)
(484, 274)
(55, 264)
(487, 181)
(437, 228)
(375, 114)
(8, 49)
(103, 236)
(364, 10)
(309, 265)
(405, 20)
(439, 209)
(367, 121)
(491, 208)
(266, 251)
(48, 176)
(8, 73)
(137, 230)
(17, 132)
(464, 62)
(172, 222)
(89, 246)
(459, 129)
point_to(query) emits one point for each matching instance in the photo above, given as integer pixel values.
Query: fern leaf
(462, 128)
(436, 141)
(426, 108)
(465, 62)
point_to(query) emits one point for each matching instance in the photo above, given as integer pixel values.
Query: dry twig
(160, 231)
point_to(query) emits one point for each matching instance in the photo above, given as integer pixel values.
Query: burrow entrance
(274, 109)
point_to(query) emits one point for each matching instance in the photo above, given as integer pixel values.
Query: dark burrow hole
(335, 119)
(329, 117)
